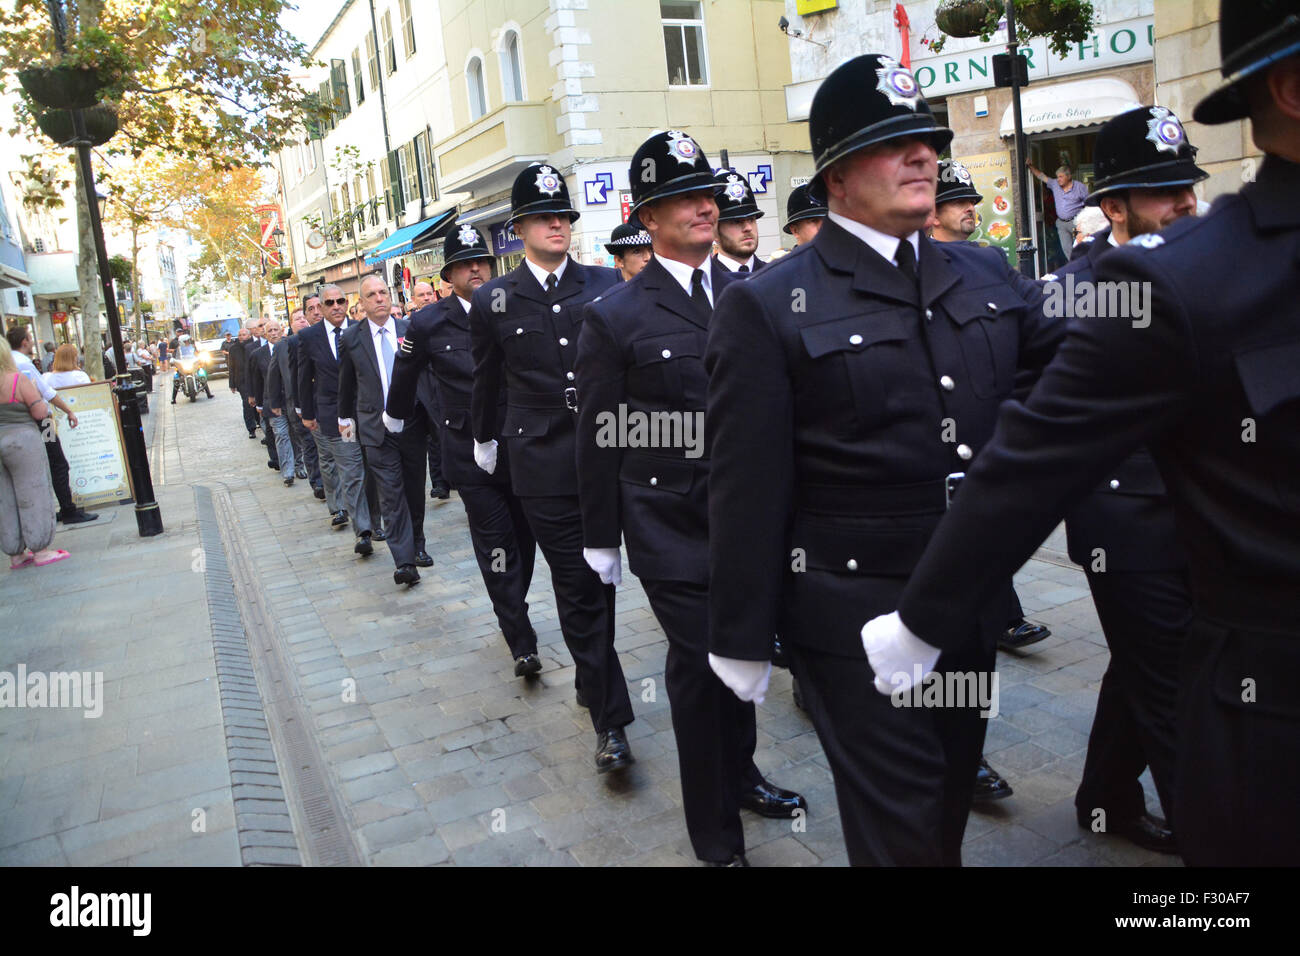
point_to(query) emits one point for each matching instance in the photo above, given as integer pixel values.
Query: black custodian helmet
(1144, 148)
(463, 242)
(1253, 35)
(804, 202)
(869, 99)
(735, 199)
(668, 164)
(955, 183)
(540, 189)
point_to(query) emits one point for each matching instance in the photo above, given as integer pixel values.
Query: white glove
(746, 679)
(485, 455)
(607, 562)
(896, 655)
(394, 425)
(345, 429)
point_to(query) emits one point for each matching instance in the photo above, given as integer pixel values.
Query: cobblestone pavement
(401, 734)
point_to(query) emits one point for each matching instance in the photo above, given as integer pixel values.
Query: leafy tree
(140, 194)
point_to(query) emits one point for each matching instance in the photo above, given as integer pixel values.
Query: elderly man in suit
(259, 367)
(366, 355)
(342, 469)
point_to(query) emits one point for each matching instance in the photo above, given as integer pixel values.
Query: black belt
(567, 399)
(922, 497)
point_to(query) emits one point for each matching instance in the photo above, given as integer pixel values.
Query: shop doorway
(1048, 151)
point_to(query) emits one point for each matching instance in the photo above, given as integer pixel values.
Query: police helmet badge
(898, 84)
(735, 188)
(682, 148)
(1164, 130)
(547, 181)
(467, 235)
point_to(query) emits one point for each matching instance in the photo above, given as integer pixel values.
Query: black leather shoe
(300, 472)
(406, 574)
(771, 801)
(380, 535)
(250, 434)
(274, 465)
(263, 441)
(989, 785)
(1022, 635)
(319, 493)
(77, 517)
(340, 519)
(527, 666)
(440, 491)
(422, 559)
(737, 860)
(288, 482)
(779, 656)
(1145, 830)
(798, 693)
(578, 698)
(612, 751)
(363, 546)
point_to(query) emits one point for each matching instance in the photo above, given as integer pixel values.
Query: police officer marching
(805, 209)
(1206, 381)
(438, 341)
(1123, 534)
(629, 244)
(640, 359)
(736, 231)
(847, 382)
(524, 329)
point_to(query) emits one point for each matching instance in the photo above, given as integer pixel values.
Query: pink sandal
(57, 556)
(21, 560)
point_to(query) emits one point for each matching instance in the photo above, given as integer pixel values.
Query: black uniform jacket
(361, 390)
(516, 334)
(837, 406)
(259, 363)
(642, 348)
(1211, 386)
(439, 344)
(278, 391)
(1127, 516)
(318, 378)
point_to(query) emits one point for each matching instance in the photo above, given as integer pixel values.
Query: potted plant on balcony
(967, 18)
(93, 67)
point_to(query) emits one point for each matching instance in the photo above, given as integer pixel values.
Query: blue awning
(403, 240)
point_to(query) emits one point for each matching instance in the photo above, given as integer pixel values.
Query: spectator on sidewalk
(49, 357)
(65, 371)
(26, 514)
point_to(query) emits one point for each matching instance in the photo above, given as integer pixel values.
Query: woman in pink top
(26, 496)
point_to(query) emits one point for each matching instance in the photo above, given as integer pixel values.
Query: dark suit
(427, 407)
(758, 264)
(1123, 536)
(342, 468)
(503, 543)
(304, 448)
(255, 375)
(642, 348)
(388, 458)
(237, 369)
(1210, 386)
(839, 399)
(519, 335)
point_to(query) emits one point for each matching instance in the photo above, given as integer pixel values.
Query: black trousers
(371, 491)
(250, 413)
(585, 608)
(414, 440)
(715, 730)
(1238, 747)
(59, 473)
(904, 776)
(386, 464)
(1144, 615)
(435, 451)
(273, 456)
(506, 551)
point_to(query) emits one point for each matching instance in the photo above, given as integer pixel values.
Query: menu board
(996, 215)
(96, 458)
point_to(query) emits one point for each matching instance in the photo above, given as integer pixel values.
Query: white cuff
(394, 425)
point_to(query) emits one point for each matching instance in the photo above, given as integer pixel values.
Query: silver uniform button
(993, 306)
(855, 339)
(569, 376)
(1114, 483)
(654, 481)
(446, 421)
(964, 452)
(947, 383)
(448, 348)
(666, 353)
(564, 341)
(519, 331)
(521, 431)
(929, 314)
(852, 564)
(555, 308)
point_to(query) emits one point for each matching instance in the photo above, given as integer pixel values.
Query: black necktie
(338, 332)
(698, 295)
(906, 256)
(744, 268)
(551, 283)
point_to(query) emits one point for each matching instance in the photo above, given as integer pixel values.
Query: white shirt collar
(1110, 237)
(464, 303)
(683, 272)
(540, 274)
(734, 265)
(376, 329)
(884, 244)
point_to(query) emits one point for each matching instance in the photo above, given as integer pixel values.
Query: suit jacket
(318, 378)
(246, 378)
(1210, 386)
(1127, 515)
(840, 396)
(642, 347)
(436, 350)
(278, 391)
(520, 337)
(361, 390)
(236, 362)
(259, 364)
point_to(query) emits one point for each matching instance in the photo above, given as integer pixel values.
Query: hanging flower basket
(1063, 22)
(964, 18)
(1039, 16)
(63, 87)
(281, 275)
(101, 124)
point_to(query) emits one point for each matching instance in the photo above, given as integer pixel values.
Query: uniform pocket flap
(855, 551)
(663, 473)
(525, 423)
(987, 302)
(1269, 375)
(852, 333)
(454, 418)
(663, 348)
(1137, 475)
(518, 327)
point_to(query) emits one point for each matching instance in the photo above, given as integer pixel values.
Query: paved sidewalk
(431, 750)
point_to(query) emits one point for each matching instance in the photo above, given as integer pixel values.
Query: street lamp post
(1025, 243)
(278, 237)
(148, 518)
